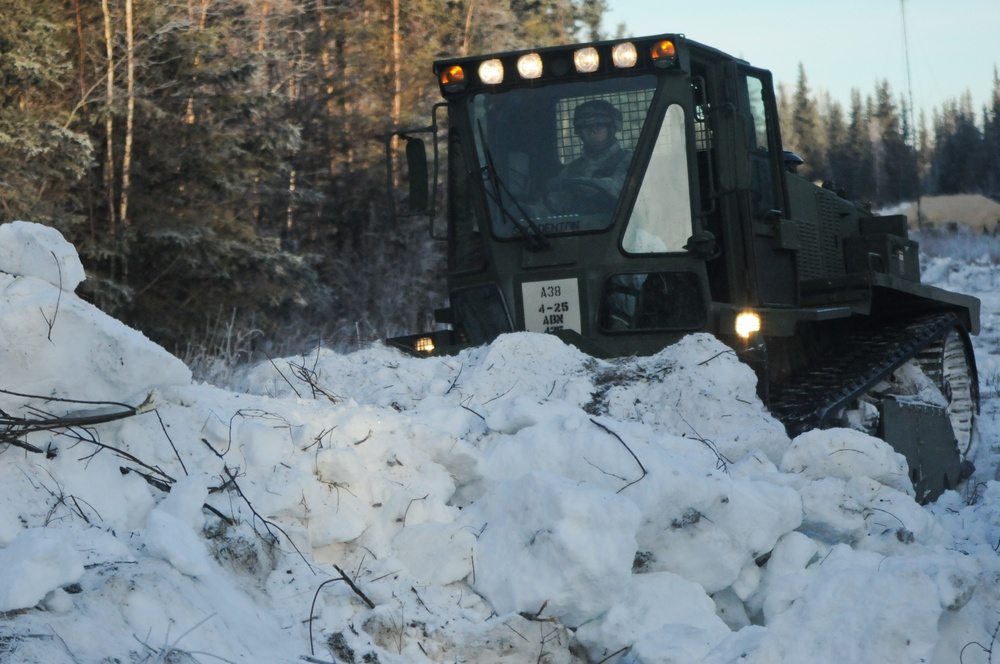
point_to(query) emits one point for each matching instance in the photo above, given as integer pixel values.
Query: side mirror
(416, 164)
(420, 173)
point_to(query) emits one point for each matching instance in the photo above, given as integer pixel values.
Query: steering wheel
(581, 195)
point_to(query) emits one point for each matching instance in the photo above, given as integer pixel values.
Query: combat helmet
(596, 112)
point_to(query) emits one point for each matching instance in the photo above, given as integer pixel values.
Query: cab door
(772, 249)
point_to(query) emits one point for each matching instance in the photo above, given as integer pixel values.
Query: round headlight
(530, 65)
(747, 323)
(624, 55)
(491, 72)
(586, 60)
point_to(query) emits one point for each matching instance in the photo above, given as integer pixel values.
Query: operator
(601, 167)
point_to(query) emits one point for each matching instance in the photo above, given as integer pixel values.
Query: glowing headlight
(586, 60)
(747, 323)
(530, 65)
(424, 345)
(624, 55)
(491, 72)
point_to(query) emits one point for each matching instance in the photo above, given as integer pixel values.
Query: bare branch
(641, 467)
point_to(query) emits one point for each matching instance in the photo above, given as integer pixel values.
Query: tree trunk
(129, 116)
(397, 90)
(83, 48)
(189, 116)
(109, 123)
(466, 41)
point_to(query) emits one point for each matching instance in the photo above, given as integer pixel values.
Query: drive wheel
(950, 364)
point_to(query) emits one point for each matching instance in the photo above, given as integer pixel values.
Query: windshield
(554, 159)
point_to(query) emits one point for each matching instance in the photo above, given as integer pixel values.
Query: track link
(851, 369)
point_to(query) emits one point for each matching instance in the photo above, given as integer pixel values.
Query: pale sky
(954, 45)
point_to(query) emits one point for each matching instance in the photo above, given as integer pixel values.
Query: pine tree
(860, 155)
(544, 22)
(991, 142)
(897, 177)
(188, 149)
(837, 140)
(788, 139)
(40, 157)
(591, 14)
(958, 142)
(807, 130)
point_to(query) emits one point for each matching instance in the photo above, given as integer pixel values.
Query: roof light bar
(621, 57)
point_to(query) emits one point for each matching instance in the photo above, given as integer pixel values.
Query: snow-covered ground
(518, 503)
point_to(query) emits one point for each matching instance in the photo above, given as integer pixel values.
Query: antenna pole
(909, 87)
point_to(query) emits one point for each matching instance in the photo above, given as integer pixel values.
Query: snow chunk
(707, 529)
(697, 388)
(750, 645)
(436, 553)
(38, 561)
(169, 538)
(526, 363)
(646, 614)
(832, 512)
(172, 528)
(32, 250)
(846, 453)
(550, 541)
(898, 620)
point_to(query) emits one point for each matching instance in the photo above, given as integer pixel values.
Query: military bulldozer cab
(622, 194)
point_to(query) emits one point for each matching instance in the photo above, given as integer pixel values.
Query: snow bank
(58, 346)
(519, 502)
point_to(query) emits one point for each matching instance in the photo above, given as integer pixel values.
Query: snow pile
(518, 502)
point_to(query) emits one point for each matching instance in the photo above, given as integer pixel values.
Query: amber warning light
(663, 52)
(453, 76)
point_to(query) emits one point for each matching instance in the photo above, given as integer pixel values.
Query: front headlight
(747, 323)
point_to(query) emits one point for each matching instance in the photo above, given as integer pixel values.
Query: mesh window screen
(702, 134)
(633, 106)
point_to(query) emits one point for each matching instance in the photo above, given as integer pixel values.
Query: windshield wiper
(534, 237)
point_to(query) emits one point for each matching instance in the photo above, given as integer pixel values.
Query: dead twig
(271, 360)
(93, 440)
(704, 362)
(354, 587)
(537, 615)
(641, 467)
(312, 608)
(722, 463)
(52, 321)
(258, 517)
(454, 383)
(170, 440)
(617, 652)
(988, 651)
(311, 378)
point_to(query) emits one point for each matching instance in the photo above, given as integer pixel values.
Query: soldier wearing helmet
(602, 165)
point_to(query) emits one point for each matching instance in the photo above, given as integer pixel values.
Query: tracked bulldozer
(689, 216)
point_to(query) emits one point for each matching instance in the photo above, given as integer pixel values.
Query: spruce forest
(220, 165)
